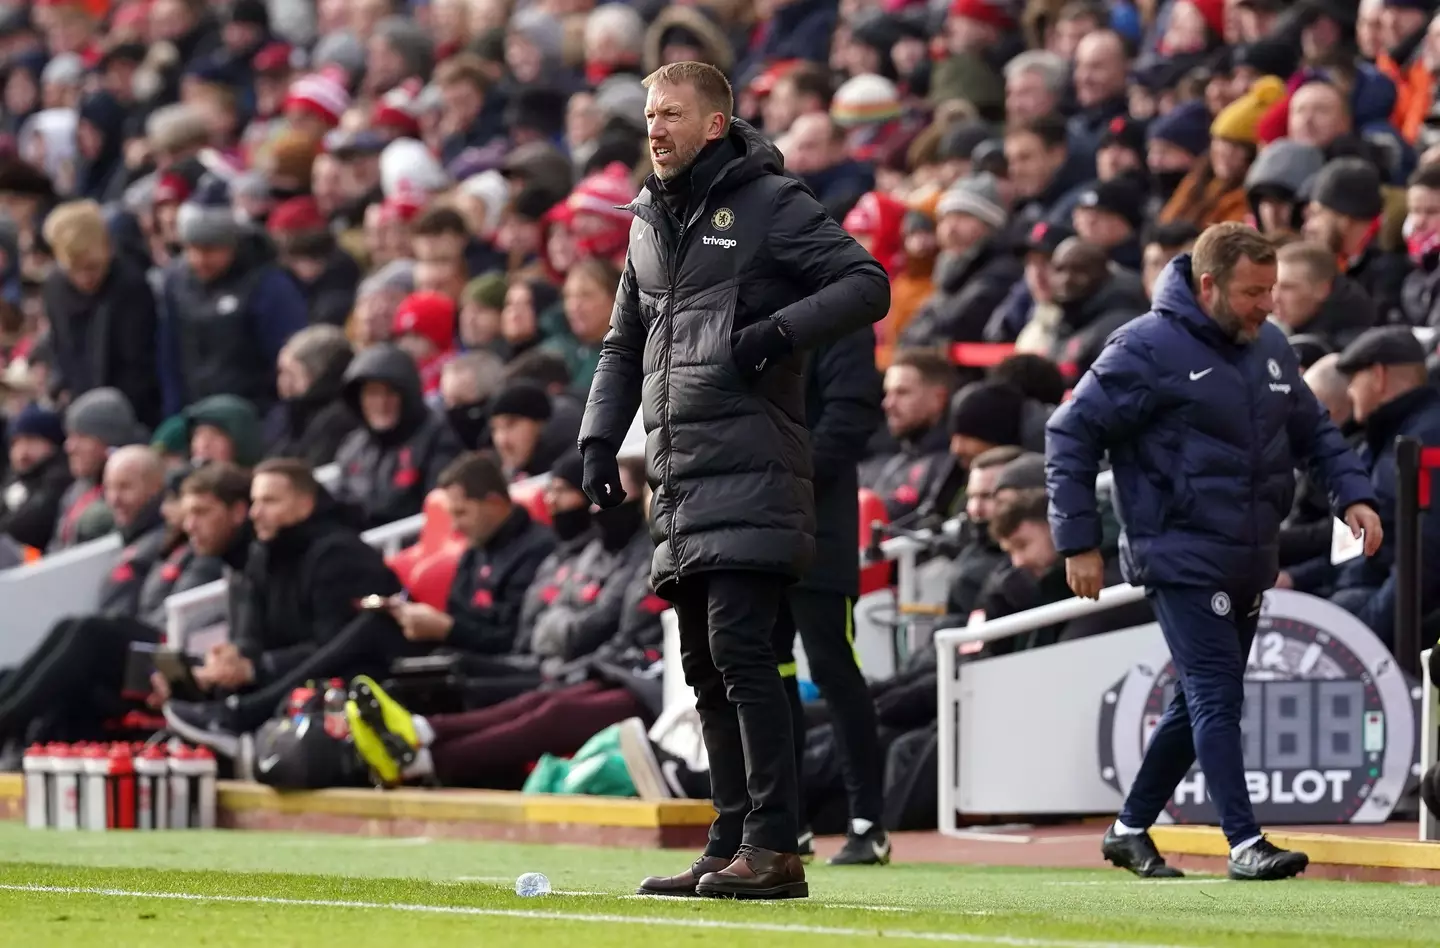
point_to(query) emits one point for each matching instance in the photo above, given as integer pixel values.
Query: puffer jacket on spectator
(388, 473)
(1420, 292)
(1204, 436)
(968, 288)
(144, 547)
(490, 583)
(582, 607)
(298, 591)
(1345, 314)
(729, 458)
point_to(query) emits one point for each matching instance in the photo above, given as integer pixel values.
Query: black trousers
(366, 646)
(727, 627)
(76, 671)
(826, 624)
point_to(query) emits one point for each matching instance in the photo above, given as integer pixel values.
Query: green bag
(597, 769)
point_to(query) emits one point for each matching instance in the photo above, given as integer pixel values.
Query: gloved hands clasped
(756, 346)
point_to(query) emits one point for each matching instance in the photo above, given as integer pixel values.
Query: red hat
(396, 109)
(1213, 13)
(427, 314)
(272, 58)
(321, 93)
(298, 215)
(764, 83)
(992, 12)
(171, 188)
(602, 193)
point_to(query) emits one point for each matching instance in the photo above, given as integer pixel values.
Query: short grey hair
(617, 21)
(318, 347)
(173, 127)
(410, 42)
(1050, 66)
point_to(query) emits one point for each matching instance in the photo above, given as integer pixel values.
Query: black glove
(756, 346)
(601, 478)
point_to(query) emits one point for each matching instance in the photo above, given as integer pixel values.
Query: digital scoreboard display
(1328, 726)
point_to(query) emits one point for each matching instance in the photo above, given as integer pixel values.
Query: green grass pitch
(273, 890)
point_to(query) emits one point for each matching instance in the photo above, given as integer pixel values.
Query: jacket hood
(713, 43)
(1282, 168)
(388, 364)
(1174, 299)
(237, 418)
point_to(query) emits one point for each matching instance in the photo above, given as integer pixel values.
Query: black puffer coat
(729, 461)
(388, 473)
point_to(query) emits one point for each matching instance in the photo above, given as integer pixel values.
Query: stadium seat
(531, 496)
(434, 534)
(872, 509)
(430, 579)
(980, 355)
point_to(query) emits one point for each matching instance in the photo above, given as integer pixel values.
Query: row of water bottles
(119, 787)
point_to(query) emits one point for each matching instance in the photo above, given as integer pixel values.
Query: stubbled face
(1031, 548)
(678, 126)
(1240, 305)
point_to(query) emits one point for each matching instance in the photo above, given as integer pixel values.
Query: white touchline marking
(853, 906)
(1133, 882)
(961, 938)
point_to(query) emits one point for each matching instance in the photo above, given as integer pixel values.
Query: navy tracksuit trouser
(1209, 635)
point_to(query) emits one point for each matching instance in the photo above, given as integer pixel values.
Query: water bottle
(65, 802)
(205, 768)
(120, 808)
(532, 884)
(180, 788)
(336, 724)
(94, 768)
(152, 796)
(37, 767)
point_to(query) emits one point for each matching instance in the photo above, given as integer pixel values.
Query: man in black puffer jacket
(733, 271)
(389, 464)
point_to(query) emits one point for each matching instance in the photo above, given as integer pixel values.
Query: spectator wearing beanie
(327, 276)
(224, 430)
(393, 460)
(981, 36)
(1110, 215)
(1214, 190)
(314, 103)
(518, 413)
(973, 272)
(101, 311)
(1122, 149)
(1176, 142)
(985, 415)
(424, 329)
(96, 424)
(1345, 211)
(594, 219)
(39, 476)
(868, 108)
(481, 304)
(313, 418)
(226, 311)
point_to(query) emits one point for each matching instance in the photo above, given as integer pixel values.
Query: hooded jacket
(108, 338)
(388, 473)
(729, 459)
(314, 425)
(1279, 172)
(298, 591)
(1204, 436)
(234, 416)
(715, 47)
(30, 520)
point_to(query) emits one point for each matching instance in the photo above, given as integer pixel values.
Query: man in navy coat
(1202, 409)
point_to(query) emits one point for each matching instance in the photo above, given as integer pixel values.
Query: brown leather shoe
(757, 874)
(684, 884)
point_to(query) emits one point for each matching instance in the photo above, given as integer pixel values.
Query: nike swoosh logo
(269, 763)
(882, 852)
(1197, 376)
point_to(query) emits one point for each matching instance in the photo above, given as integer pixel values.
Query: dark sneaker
(683, 885)
(1137, 853)
(210, 723)
(1266, 862)
(805, 845)
(870, 848)
(757, 874)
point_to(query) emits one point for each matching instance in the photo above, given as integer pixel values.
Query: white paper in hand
(1343, 545)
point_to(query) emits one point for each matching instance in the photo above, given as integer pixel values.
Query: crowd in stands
(244, 241)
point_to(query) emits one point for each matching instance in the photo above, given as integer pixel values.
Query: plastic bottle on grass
(532, 884)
